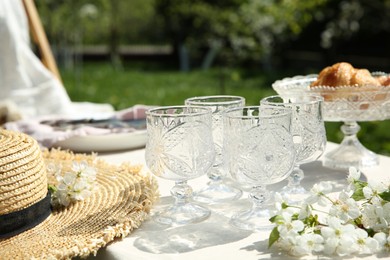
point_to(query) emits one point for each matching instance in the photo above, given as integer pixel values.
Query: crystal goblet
(217, 189)
(180, 148)
(258, 151)
(309, 136)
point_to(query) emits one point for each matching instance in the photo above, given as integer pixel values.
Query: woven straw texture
(23, 178)
(120, 204)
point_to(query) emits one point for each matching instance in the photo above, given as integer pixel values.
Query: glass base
(294, 195)
(182, 214)
(254, 220)
(218, 192)
(350, 153)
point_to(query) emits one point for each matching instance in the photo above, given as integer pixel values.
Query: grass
(99, 82)
(151, 84)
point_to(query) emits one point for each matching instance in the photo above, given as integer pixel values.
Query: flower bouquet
(352, 223)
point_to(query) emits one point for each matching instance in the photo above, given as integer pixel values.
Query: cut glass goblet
(180, 148)
(309, 136)
(258, 151)
(217, 190)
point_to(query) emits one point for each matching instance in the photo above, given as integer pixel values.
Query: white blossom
(373, 188)
(345, 208)
(317, 193)
(365, 244)
(338, 238)
(287, 225)
(357, 222)
(353, 175)
(289, 243)
(383, 240)
(376, 217)
(310, 243)
(77, 184)
(279, 201)
(305, 211)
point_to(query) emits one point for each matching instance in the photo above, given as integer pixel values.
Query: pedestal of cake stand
(350, 153)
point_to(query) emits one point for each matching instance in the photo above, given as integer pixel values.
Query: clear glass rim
(201, 100)
(229, 113)
(156, 111)
(314, 98)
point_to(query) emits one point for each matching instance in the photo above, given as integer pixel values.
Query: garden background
(159, 52)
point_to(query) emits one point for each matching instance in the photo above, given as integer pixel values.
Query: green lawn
(151, 84)
(135, 84)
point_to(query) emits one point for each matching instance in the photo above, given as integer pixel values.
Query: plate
(105, 143)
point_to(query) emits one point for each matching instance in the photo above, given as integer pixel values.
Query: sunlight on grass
(101, 83)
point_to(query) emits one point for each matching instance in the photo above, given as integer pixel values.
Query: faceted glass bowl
(343, 103)
(348, 104)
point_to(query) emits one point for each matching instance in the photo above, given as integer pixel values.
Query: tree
(110, 22)
(247, 29)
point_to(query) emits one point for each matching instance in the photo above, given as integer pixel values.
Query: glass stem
(350, 129)
(182, 192)
(214, 174)
(295, 178)
(259, 196)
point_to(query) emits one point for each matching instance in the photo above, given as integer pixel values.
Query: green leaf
(273, 219)
(358, 194)
(311, 220)
(385, 195)
(295, 216)
(276, 219)
(273, 236)
(51, 188)
(370, 232)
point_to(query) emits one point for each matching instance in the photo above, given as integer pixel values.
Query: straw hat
(121, 201)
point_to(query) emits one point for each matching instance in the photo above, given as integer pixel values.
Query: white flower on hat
(77, 184)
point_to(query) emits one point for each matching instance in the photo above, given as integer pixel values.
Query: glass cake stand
(349, 105)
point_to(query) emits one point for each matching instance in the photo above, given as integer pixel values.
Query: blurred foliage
(348, 18)
(92, 21)
(240, 29)
(253, 30)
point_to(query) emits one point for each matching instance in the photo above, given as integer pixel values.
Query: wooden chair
(40, 39)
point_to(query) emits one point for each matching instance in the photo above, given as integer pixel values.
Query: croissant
(384, 80)
(344, 74)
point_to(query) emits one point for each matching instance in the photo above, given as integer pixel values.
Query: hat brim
(121, 202)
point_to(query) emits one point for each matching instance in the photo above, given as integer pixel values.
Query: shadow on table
(315, 173)
(159, 239)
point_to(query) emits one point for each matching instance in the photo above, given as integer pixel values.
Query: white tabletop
(214, 238)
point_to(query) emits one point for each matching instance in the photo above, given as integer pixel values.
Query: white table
(214, 238)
